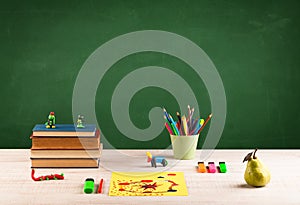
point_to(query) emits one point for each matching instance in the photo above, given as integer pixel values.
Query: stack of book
(65, 146)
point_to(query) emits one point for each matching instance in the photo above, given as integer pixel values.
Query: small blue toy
(155, 159)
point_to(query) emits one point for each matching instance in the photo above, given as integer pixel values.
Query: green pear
(256, 173)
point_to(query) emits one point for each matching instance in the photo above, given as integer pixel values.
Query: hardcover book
(64, 130)
(66, 142)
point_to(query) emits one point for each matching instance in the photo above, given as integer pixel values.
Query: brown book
(53, 142)
(65, 154)
(65, 163)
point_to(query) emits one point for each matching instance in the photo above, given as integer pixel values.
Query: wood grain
(17, 187)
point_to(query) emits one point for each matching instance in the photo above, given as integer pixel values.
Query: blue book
(64, 130)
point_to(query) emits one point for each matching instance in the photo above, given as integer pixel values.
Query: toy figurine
(47, 177)
(80, 121)
(51, 121)
(154, 159)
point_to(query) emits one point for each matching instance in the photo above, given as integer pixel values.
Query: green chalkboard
(254, 46)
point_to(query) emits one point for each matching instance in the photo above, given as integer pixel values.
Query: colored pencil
(174, 129)
(178, 125)
(188, 116)
(197, 129)
(206, 121)
(166, 114)
(185, 126)
(192, 112)
(179, 118)
(195, 126)
(201, 122)
(169, 125)
(169, 128)
(189, 110)
(174, 125)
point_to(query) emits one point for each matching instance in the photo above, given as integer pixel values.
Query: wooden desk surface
(17, 187)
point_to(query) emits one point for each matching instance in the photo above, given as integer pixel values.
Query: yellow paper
(147, 184)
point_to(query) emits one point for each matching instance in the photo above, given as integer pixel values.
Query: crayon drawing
(147, 184)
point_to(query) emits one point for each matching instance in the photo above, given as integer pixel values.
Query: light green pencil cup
(184, 147)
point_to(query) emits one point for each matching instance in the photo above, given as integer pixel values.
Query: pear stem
(254, 157)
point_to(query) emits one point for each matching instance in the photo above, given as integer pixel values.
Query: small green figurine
(51, 121)
(80, 121)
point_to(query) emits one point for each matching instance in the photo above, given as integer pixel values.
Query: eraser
(211, 167)
(201, 167)
(223, 168)
(88, 186)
